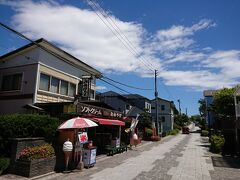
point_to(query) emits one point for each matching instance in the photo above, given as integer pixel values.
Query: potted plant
(34, 161)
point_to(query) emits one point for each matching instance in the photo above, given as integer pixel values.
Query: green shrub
(217, 142)
(4, 163)
(37, 152)
(25, 125)
(148, 132)
(204, 133)
(175, 126)
(174, 132)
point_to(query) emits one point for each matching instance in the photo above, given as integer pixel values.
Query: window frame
(58, 87)
(12, 74)
(49, 83)
(68, 84)
(163, 107)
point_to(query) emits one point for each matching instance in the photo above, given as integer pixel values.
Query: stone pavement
(180, 157)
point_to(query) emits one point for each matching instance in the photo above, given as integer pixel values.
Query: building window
(162, 107)
(57, 86)
(163, 118)
(92, 94)
(127, 107)
(54, 85)
(72, 90)
(64, 87)
(44, 82)
(11, 82)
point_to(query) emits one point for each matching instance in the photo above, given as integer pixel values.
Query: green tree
(195, 118)
(223, 103)
(202, 108)
(145, 120)
(181, 119)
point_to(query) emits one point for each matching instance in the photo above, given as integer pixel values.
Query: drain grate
(227, 162)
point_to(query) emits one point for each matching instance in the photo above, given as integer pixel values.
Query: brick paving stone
(181, 157)
(162, 166)
(193, 164)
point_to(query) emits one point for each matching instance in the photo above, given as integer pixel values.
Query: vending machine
(89, 156)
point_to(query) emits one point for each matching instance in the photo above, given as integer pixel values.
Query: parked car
(185, 130)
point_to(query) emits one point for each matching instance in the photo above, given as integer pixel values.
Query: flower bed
(37, 152)
(34, 161)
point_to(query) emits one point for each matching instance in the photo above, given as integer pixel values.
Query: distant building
(31, 75)
(130, 105)
(208, 97)
(139, 101)
(165, 114)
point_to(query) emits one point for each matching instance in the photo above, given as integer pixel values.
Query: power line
(42, 47)
(49, 51)
(56, 55)
(126, 84)
(128, 42)
(101, 10)
(116, 33)
(114, 86)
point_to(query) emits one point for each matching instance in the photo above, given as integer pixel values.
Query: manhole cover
(228, 162)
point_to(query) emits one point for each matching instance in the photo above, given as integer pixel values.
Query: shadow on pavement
(197, 131)
(227, 162)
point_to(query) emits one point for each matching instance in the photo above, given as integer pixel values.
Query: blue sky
(194, 45)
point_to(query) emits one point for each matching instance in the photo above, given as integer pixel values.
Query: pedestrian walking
(135, 139)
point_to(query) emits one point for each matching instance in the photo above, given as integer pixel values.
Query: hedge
(25, 125)
(4, 163)
(217, 143)
(173, 132)
(204, 133)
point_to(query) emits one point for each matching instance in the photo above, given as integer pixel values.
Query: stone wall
(34, 167)
(18, 144)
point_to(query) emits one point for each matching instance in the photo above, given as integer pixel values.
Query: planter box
(30, 168)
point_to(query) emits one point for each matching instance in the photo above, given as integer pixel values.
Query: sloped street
(175, 157)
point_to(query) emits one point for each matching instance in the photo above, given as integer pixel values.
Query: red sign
(83, 138)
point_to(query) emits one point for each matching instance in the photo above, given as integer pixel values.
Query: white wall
(54, 62)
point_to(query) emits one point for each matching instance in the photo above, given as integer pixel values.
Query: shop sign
(115, 114)
(90, 110)
(83, 137)
(93, 110)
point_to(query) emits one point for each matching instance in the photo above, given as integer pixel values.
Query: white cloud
(178, 37)
(101, 88)
(197, 80)
(228, 62)
(83, 34)
(186, 56)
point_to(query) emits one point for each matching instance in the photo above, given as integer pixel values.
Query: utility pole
(156, 103)
(179, 106)
(186, 111)
(236, 93)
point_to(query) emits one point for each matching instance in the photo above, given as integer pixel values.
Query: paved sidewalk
(181, 157)
(193, 164)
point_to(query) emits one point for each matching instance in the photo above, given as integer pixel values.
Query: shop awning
(105, 121)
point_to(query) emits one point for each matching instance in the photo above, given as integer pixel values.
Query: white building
(33, 74)
(165, 114)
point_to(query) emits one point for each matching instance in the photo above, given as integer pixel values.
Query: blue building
(208, 97)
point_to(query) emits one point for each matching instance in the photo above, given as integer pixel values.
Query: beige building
(40, 72)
